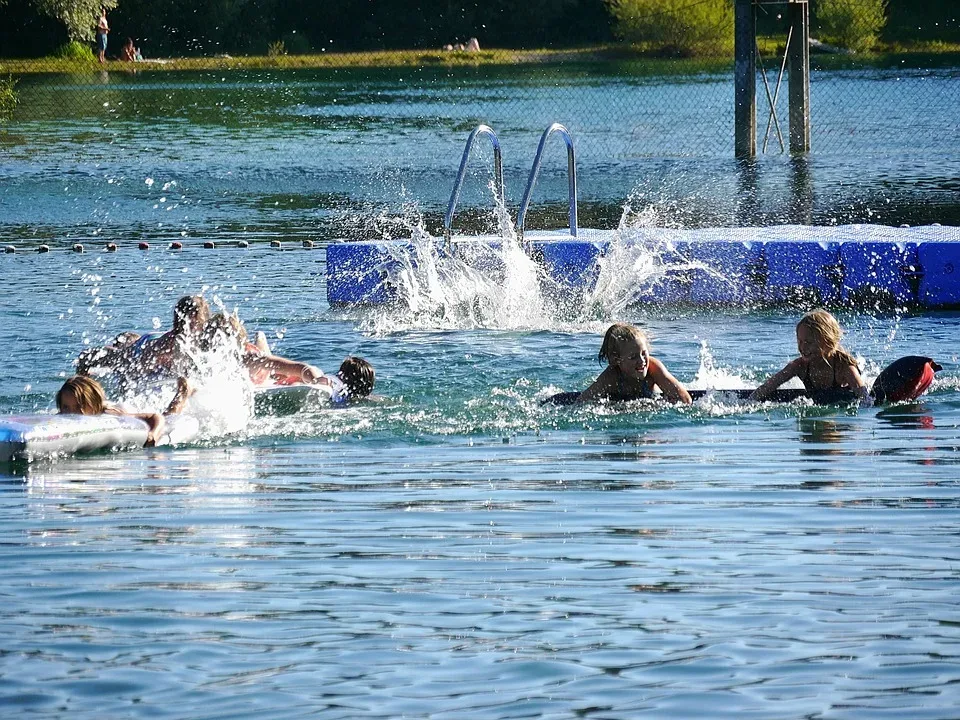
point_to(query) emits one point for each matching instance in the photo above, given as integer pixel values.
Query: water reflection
(824, 438)
(801, 184)
(913, 415)
(748, 201)
(210, 473)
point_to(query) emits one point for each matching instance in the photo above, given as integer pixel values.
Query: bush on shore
(76, 51)
(675, 27)
(8, 97)
(852, 24)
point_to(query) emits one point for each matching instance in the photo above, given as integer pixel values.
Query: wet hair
(358, 375)
(222, 328)
(87, 392)
(616, 335)
(826, 330)
(190, 311)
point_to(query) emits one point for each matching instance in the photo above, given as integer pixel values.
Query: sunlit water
(459, 550)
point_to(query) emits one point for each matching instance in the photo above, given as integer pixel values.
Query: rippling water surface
(459, 551)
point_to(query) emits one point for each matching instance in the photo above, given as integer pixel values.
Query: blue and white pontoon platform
(917, 267)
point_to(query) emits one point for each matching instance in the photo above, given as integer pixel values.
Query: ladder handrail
(497, 171)
(535, 170)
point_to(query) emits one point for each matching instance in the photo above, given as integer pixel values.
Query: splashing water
(222, 402)
(478, 282)
(491, 282)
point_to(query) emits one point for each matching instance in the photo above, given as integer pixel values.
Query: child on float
(82, 395)
(632, 372)
(823, 363)
(354, 380)
(151, 355)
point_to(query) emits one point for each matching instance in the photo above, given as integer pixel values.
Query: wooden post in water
(745, 75)
(745, 79)
(799, 78)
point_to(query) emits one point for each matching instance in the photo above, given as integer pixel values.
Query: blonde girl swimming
(632, 372)
(823, 363)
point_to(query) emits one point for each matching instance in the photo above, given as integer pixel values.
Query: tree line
(35, 28)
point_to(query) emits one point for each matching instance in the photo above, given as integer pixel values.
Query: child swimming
(354, 380)
(82, 395)
(823, 364)
(134, 357)
(631, 372)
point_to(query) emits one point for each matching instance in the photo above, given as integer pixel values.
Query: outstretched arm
(283, 366)
(791, 370)
(599, 389)
(671, 388)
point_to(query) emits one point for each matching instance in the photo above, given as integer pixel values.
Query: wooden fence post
(799, 77)
(745, 79)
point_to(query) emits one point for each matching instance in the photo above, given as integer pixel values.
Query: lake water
(459, 550)
(334, 153)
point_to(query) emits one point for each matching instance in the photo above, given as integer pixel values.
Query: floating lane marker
(176, 245)
(43, 249)
(143, 245)
(111, 247)
(78, 248)
(209, 244)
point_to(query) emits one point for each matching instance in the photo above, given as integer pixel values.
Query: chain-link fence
(176, 132)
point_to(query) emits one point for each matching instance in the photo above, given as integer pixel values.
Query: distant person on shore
(823, 364)
(102, 29)
(129, 52)
(632, 372)
(472, 45)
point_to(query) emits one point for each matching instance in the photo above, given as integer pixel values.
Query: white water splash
(476, 282)
(711, 377)
(491, 282)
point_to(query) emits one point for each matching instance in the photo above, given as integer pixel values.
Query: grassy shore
(421, 58)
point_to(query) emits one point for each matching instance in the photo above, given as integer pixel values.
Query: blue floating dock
(857, 265)
(868, 266)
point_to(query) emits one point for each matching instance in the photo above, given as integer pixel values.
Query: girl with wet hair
(82, 395)
(632, 373)
(823, 363)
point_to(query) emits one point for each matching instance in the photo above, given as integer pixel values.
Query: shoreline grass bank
(946, 53)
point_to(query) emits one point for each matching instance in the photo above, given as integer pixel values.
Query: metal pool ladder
(535, 170)
(497, 176)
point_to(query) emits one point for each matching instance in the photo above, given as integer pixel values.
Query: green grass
(418, 58)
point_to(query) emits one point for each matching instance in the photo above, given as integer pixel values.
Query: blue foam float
(940, 274)
(894, 266)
